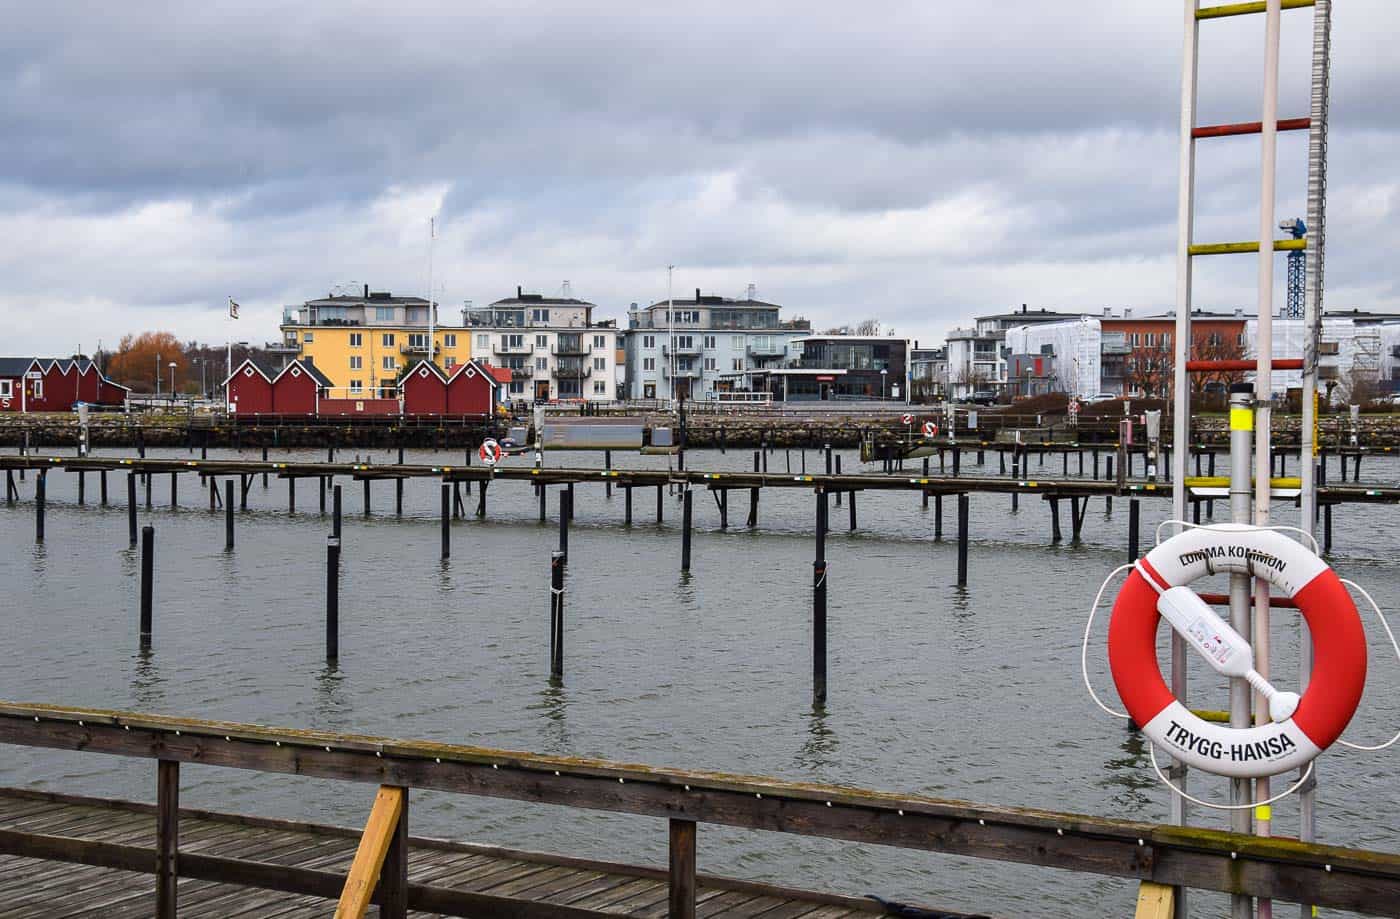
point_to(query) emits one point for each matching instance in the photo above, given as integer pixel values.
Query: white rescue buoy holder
(1300, 727)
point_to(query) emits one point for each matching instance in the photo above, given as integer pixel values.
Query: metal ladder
(1188, 250)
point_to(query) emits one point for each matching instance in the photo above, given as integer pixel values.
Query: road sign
(490, 452)
(930, 429)
(907, 418)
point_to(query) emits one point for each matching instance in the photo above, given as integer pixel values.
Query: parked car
(1105, 397)
(983, 397)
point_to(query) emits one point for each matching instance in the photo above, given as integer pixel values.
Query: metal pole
(148, 559)
(333, 597)
(819, 570)
(556, 613)
(1312, 320)
(1241, 907)
(1263, 380)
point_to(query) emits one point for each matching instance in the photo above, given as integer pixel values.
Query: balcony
(684, 350)
(409, 348)
(692, 374)
(572, 372)
(564, 349)
(521, 373)
(774, 350)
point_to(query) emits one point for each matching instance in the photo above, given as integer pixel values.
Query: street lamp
(884, 376)
(157, 374)
(172, 381)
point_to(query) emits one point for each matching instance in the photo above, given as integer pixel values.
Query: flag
(232, 309)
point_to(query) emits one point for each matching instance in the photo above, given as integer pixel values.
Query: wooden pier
(218, 853)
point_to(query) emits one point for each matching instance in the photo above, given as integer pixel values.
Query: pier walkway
(309, 863)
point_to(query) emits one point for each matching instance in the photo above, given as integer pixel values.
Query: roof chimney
(697, 295)
(1127, 312)
(518, 292)
(1107, 311)
(1239, 312)
(1023, 308)
(366, 291)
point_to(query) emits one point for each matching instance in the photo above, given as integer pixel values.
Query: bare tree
(868, 327)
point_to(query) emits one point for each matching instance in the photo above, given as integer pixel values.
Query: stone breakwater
(704, 430)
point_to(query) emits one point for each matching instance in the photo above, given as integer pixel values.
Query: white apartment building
(552, 346)
(707, 345)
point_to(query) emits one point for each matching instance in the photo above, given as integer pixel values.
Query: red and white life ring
(1339, 651)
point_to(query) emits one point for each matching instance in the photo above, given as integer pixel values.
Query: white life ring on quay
(1339, 651)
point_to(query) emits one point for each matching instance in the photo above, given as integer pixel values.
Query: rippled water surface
(967, 693)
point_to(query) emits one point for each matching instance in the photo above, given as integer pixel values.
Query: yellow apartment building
(361, 342)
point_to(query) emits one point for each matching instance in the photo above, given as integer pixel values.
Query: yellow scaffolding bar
(1280, 245)
(1243, 9)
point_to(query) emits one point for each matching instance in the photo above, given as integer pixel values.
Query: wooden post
(264, 459)
(543, 492)
(607, 464)
(1076, 515)
(291, 494)
(937, 515)
(723, 495)
(481, 499)
(446, 519)
(167, 837)
(685, 529)
(957, 461)
(131, 505)
(556, 613)
(660, 500)
(962, 540)
(1134, 514)
(10, 486)
(753, 492)
(148, 562)
(838, 472)
(627, 518)
(372, 855)
(1154, 901)
(398, 497)
(1055, 519)
(245, 482)
(148, 489)
(82, 487)
(228, 514)
(819, 604)
(393, 876)
(322, 482)
(852, 510)
(332, 598)
(681, 878)
(174, 489)
(366, 497)
(335, 512)
(40, 498)
(1327, 529)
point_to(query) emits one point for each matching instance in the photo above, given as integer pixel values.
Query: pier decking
(309, 863)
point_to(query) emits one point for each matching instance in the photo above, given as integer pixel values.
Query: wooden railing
(1281, 869)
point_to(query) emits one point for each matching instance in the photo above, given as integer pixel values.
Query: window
(512, 341)
(384, 313)
(449, 340)
(449, 362)
(291, 338)
(648, 390)
(685, 341)
(357, 362)
(389, 363)
(416, 314)
(600, 388)
(648, 363)
(600, 341)
(1135, 339)
(307, 338)
(600, 363)
(648, 341)
(483, 342)
(710, 364)
(736, 341)
(684, 363)
(738, 363)
(541, 363)
(387, 339)
(517, 387)
(38, 389)
(1151, 340)
(418, 340)
(7, 389)
(538, 315)
(357, 339)
(709, 341)
(541, 341)
(1214, 340)
(357, 386)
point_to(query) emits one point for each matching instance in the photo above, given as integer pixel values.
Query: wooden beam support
(380, 831)
(1154, 901)
(681, 878)
(167, 837)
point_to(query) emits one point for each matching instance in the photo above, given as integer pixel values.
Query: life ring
(1339, 651)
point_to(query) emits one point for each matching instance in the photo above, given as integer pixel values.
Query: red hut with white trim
(424, 389)
(471, 390)
(29, 384)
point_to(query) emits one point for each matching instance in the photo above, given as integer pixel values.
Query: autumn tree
(140, 357)
(1216, 347)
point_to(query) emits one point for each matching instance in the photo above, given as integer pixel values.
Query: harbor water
(970, 693)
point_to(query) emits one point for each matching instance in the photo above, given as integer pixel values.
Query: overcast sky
(917, 162)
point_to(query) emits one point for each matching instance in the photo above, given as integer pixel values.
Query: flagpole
(432, 232)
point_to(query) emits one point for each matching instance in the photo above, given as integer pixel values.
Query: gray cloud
(922, 162)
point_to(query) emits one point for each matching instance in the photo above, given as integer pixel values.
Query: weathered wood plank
(374, 848)
(682, 869)
(1154, 901)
